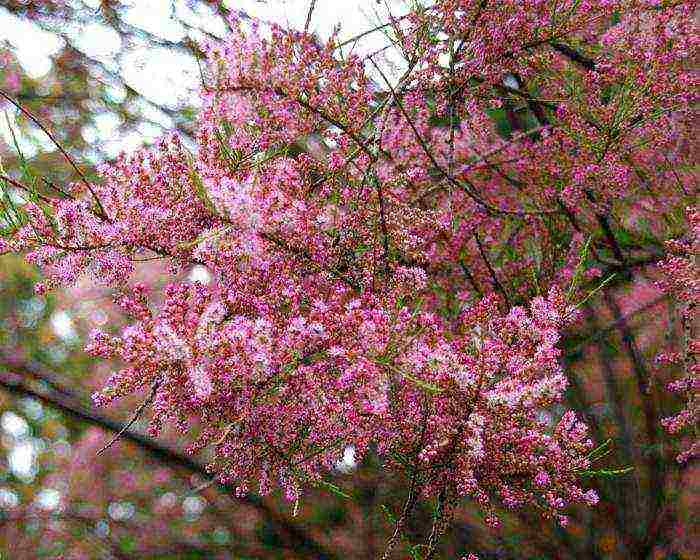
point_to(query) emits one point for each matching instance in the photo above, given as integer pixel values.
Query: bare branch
(295, 538)
(135, 417)
(70, 160)
(308, 16)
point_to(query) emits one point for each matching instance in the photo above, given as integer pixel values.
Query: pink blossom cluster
(378, 278)
(681, 279)
(282, 392)
(10, 77)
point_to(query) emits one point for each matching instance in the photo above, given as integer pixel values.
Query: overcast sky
(168, 78)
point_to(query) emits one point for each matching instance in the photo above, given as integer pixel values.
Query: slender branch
(466, 185)
(24, 188)
(148, 400)
(470, 277)
(308, 16)
(296, 540)
(437, 527)
(361, 143)
(70, 160)
(407, 508)
(412, 492)
(603, 332)
(382, 221)
(302, 252)
(496, 282)
(573, 55)
(373, 30)
(651, 419)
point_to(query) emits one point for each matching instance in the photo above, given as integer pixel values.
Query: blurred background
(108, 75)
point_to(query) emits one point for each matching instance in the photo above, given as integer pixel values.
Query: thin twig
(465, 184)
(308, 16)
(496, 282)
(412, 492)
(296, 539)
(573, 55)
(134, 418)
(302, 252)
(407, 508)
(437, 527)
(70, 160)
(24, 187)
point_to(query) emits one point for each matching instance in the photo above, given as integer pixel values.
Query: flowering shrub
(394, 255)
(682, 280)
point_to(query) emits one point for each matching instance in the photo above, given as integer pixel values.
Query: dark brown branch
(496, 282)
(437, 527)
(296, 539)
(308, 16)
(413, 491)
(302, 252)
(361, 143)
(400, 522)
(24, 188)
(602, 332)
(465, 185)
(651, 418)
(573, 55)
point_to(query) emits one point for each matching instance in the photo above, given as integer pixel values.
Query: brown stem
(573, 55)
(496, 282)
(134, 418)
(295, 538)
(308, 16)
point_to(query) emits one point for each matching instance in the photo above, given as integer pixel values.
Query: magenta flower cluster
(681, 280)
(389, 271)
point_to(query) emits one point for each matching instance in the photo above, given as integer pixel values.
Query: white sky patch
(354, 16)
(98, 40)
(170, 78)
(102, 528)
(8, 124)
(193, 506)
(21, 459)
(121, 511)
(48, 499)
(8, 499)
(149, 132)
(199, 15)
(348, 462)
(62, 448)
(162, 76)
(14, 425)
(34, 47)
(154, 16)
(105, 126)
(63, 326)
(127, 143)
(511, 81)
(98, 317)
(107, 123)
(168, 500)
(199, 274)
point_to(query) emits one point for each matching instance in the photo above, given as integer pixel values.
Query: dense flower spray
(681, 279)
(394, 253)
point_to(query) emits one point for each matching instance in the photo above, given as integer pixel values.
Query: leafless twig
(134, 418)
